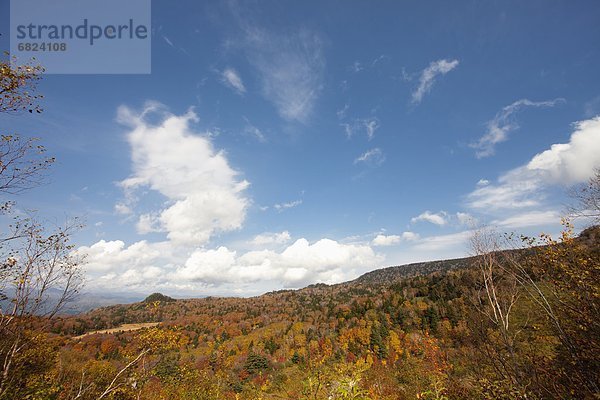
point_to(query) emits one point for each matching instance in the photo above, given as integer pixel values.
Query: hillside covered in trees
(517, 324)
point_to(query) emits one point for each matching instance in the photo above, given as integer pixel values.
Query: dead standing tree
(495, 300)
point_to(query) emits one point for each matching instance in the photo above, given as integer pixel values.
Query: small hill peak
(158, 297)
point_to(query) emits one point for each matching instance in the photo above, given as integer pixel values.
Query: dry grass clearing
(122, 328)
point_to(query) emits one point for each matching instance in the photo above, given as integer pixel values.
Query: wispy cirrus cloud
(449, 241)
(251, 130)
(232, 79)
(429, 75)
(529, 218)
(503, 123)
(341, 113)
(373, 157)
(168, 41)
(367, 125)
(284, 206)
(358, 66)
(290, 66)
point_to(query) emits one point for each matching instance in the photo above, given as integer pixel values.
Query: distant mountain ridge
(389, 274)
(382, 276)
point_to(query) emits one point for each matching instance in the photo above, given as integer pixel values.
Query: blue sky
(277, 144)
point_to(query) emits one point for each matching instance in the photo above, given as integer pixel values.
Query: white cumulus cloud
(145, 266)
(204, 194)
(390, 240)
(434, 218)
(386, 240)
(299, 264)
(562, 164)
(443, 218)
(113, 256)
